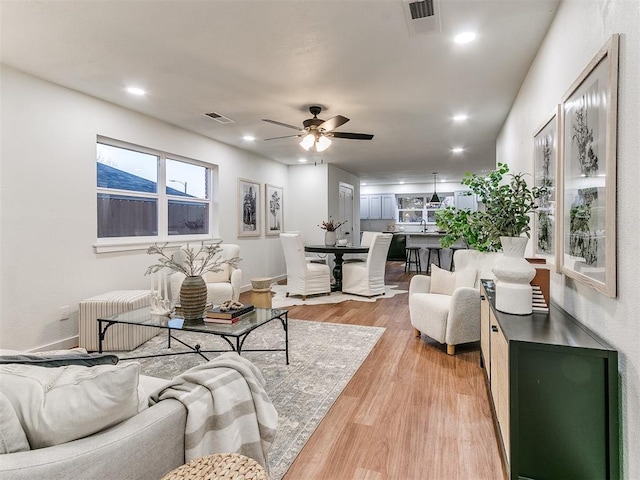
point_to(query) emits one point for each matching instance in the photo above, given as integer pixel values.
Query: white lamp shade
(323, 144)
(308, 141)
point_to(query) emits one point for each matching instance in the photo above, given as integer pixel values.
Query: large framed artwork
(588, 198)
(545, 173)
(248, 208)
(273, 206)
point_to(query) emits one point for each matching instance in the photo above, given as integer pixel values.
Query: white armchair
(303, 278)
(367, 278)
(221, 286)
(446, 306)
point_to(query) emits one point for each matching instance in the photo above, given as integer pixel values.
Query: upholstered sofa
(72, 415)
(145, 446)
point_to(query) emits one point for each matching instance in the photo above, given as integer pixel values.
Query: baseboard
(65, 344)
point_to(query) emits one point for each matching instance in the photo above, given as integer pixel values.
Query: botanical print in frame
(248, 208)
(273, 206)
(545, 165)
(589, 113)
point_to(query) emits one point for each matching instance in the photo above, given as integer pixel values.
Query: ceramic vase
(330, 238)
(513, 273)
(193, 298)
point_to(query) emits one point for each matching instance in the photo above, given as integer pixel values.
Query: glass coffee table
(234, 333)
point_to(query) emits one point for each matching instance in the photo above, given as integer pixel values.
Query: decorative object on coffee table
(192, 263)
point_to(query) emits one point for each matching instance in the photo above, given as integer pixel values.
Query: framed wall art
(273, 205)
(588, 170)
(248, 208)
(545, 174)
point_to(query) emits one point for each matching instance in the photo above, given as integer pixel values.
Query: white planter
(513, 274)
(330, 238)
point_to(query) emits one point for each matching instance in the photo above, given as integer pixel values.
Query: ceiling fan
(317, 132)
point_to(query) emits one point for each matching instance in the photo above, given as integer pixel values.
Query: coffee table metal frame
(239, 330)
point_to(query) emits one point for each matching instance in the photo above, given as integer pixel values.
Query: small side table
(219, 466)
(261, 294)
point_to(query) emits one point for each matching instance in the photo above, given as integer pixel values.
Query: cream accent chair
(367, 278)
(452, 318)
(303, 278)
(221, 286)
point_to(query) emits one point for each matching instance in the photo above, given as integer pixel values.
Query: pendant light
(434, 197)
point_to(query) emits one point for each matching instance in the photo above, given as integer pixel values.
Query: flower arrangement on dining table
(331, 225)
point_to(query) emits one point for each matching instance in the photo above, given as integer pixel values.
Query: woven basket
(219, 466)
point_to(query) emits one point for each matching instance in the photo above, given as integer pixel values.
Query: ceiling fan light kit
(316, 132)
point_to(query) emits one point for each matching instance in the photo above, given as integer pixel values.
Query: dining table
(338, 251)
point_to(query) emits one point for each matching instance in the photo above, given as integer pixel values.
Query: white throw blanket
(228, 410)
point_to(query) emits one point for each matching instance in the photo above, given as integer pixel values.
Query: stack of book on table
(215, 315)
(539, 303)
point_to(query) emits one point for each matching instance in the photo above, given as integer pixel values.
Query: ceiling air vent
(422, 17)
(219, 118)
(421, 9)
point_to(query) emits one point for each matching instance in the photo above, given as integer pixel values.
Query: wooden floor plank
(411, 412)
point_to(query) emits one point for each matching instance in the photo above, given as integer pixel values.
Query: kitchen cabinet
(377, 207)
(554, 393)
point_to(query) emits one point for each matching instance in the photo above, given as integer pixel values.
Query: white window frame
(119, 244)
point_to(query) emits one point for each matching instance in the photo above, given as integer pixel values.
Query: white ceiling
(250, 60)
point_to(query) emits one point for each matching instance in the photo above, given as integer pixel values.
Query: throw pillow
(218, 277)
(12, 437)
(58, 405)
(445, 282)
(442, 281)
(59, 360)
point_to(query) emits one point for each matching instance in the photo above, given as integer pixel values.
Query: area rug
(280, 300)
(323, 357)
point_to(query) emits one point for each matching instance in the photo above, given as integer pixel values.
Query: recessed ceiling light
(460, 117)
(457, 150)
(249, 138)
(363, 183)
(401, 182)
(465, 37)
(302, 160)
(136, 91)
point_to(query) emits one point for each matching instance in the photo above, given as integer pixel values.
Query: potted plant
(193, 263)
(507, 205)
(330, 236)
(501, 224)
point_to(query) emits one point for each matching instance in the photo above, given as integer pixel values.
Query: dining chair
(303, 278)
(365, 241)
(367, 278)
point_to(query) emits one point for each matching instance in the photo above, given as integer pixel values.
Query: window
(144, 193)
(410, 209)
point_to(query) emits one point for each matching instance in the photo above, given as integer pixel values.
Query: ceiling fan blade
(332, 123)
(286, 136)
(281, 124)
(351, 136)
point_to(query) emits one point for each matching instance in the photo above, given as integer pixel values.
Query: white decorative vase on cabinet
(513, 273)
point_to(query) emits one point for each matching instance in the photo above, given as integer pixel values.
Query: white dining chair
(367, 278)
(303, 278)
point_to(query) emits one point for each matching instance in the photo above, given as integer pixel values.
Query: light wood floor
(411, 412)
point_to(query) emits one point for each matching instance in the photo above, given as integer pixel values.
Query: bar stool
(454, 249)
(436, 251)
(412, 257)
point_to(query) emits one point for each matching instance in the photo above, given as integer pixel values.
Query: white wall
(578, 32)
(48, 205)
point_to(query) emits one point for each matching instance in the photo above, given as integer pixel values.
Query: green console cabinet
(554, 391)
